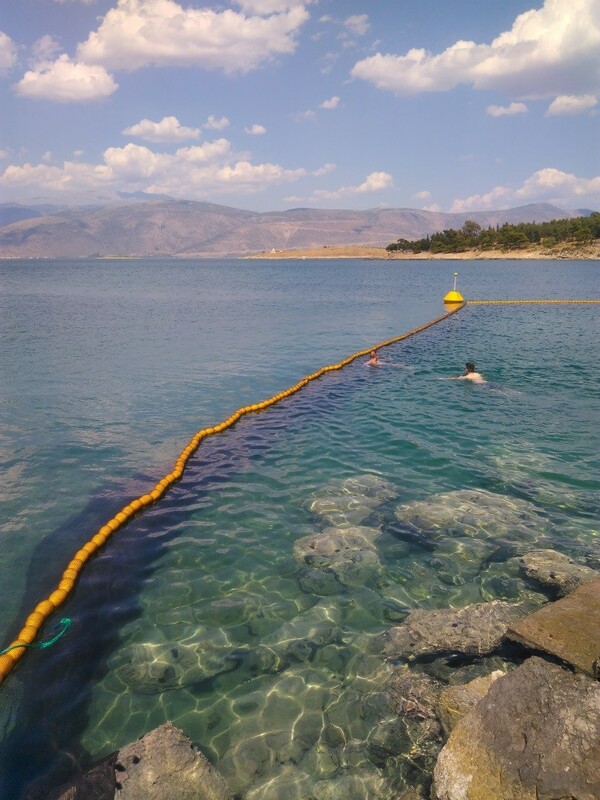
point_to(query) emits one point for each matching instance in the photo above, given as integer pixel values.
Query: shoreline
(558, 253)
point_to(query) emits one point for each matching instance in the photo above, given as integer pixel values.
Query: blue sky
(451, 105)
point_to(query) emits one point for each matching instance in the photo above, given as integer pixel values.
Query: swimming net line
(526, 302)
(46, 607)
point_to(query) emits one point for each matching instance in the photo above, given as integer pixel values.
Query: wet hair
(470, 366)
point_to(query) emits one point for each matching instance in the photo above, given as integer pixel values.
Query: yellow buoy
(454, 296)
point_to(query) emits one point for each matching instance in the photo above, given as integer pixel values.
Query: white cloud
(47, 157)
(137, 34)
(168, 129)
(216, 124)
(197, 172)
(304, 116)
(8, 53)
(357, 24)
(433, 207)
(66, 81)
(333, 102)
(547, 185)
(571, 104)
(256, 129)
(45, 48)
(507, 111)
(375, 182)
(550, 51)
(424, 195)
(324, 170)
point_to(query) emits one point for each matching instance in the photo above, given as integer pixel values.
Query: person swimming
(470, 374)
(374, 359)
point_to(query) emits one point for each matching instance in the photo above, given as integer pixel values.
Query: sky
(443, 105)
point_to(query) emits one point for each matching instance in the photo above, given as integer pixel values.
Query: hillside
(177, 228)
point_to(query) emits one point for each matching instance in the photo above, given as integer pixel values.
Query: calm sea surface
(201, 611)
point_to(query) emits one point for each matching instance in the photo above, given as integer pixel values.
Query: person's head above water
(470, 366)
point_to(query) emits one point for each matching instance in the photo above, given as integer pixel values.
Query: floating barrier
(527, 302)
(11, 654)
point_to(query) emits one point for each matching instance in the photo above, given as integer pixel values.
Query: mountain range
(182, 228)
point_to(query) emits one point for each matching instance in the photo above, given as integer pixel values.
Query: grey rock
(473, 630)
(556, 570)
(321, 582)
(345, 510)
(164, 765)
(534, 736)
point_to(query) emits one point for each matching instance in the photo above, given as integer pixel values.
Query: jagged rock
(568, 628)
(455, 702)
(534, 736)
(473, 630)
(413, 694)
(164, 765)
(555, 570)
(476, 513)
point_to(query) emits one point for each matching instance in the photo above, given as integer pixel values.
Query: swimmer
(470, 374)
(374, 360)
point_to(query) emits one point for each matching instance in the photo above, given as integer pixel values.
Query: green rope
(65, 622)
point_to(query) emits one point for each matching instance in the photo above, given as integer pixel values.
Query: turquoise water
(203, 610)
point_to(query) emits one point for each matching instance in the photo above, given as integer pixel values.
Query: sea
(205, 610)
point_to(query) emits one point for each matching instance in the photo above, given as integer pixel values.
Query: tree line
(579, 230)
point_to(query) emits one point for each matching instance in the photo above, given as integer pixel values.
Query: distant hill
(180, 228)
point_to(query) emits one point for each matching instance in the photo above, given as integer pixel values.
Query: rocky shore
(559, 252)
(496, 700)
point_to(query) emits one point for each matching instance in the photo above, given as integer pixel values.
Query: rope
(33, 623)
(66, 624)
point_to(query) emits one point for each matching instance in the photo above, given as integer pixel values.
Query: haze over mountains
(180, 228)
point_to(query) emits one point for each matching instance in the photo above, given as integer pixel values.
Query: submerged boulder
(152, 668)
(476, 513)
(350, 501)
(555, 570)
(474, 630)
(456, 701)
(534, 736)
(349, 553)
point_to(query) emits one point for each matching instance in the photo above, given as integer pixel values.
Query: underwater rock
(318, 581)
(363, 784)
(555, 570)
(151, 668)
(476, 513)
(534, 736)
(350, 501)
(365, 485)
(456, 701)
(348, 553)
(568, 628)
(296, 641)
(344, 510)
(165, 765)
(98, 783)
(473, 630)
(410, 700)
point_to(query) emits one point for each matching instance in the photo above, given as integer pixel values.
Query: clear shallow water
(108, 369)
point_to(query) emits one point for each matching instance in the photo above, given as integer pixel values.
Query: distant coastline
(589, 252)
